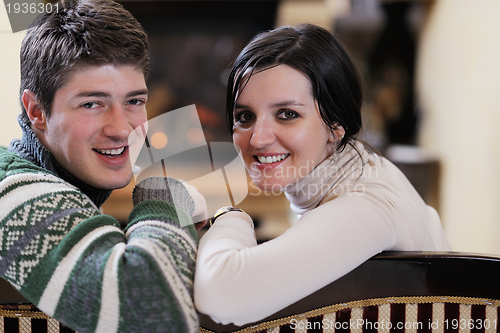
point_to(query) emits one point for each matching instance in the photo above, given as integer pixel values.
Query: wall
(458, 83)
(9, 79)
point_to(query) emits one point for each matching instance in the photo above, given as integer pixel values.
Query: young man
(83, 91)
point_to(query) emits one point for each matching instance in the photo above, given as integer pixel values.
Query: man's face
(91, 118)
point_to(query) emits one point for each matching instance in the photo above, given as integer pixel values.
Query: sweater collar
(309, 192)
(30, 149)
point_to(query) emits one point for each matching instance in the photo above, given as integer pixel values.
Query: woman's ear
(34, 111)
(337, 133)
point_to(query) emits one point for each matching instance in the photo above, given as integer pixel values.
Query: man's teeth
(111, 151)
(271, 159)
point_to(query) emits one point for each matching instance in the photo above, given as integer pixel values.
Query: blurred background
(431, 76)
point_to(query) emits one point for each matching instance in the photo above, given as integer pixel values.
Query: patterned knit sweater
(78, 266)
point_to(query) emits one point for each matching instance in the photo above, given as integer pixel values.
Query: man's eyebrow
(92, 94)
(137, 93)
(105, 94)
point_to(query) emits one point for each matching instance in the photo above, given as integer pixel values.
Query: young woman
(294, 105)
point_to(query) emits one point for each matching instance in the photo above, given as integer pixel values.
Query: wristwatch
(222, 211)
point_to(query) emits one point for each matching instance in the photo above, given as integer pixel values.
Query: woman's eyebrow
(240, 106)
(287, 103)
(278, 104)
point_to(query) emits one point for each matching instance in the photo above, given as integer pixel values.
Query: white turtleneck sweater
(349, 211)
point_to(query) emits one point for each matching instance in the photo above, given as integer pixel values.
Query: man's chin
(117, 186)
(111, 184)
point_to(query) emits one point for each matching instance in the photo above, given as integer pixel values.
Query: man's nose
(117, 125)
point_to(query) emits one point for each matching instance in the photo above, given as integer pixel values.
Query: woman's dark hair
(315, 52)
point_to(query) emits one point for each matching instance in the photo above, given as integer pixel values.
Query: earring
(335, 156)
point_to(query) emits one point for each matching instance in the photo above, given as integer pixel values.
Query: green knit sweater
(78, 266)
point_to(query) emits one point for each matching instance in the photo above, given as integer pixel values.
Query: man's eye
(135, 101)
(90, 105)
(287, 114)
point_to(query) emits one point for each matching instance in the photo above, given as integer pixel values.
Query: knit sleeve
(78, 266)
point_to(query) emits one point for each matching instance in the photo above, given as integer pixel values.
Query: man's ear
(34, 110)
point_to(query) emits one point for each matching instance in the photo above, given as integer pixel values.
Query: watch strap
(222, 211)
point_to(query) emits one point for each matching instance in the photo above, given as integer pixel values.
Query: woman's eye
(244, 117)
(287, 114)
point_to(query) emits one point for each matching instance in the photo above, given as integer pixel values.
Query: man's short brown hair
(79, 33)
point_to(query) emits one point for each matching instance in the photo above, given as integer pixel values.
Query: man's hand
(200, 214)
(174, 191)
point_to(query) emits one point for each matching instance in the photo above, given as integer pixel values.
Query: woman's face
(278, 129)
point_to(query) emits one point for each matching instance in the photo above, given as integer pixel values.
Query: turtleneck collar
(309, 192)
(30, 149)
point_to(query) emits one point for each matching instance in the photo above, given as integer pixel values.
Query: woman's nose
(263, 134)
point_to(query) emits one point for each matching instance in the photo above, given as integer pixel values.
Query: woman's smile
(271, 158)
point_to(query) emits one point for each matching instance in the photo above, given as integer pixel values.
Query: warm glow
(159, 140)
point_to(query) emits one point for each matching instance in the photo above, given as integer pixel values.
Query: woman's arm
(238, 281)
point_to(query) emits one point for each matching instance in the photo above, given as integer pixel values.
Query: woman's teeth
(111, 152)
(271, 159)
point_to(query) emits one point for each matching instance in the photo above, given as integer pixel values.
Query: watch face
(222, 211)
